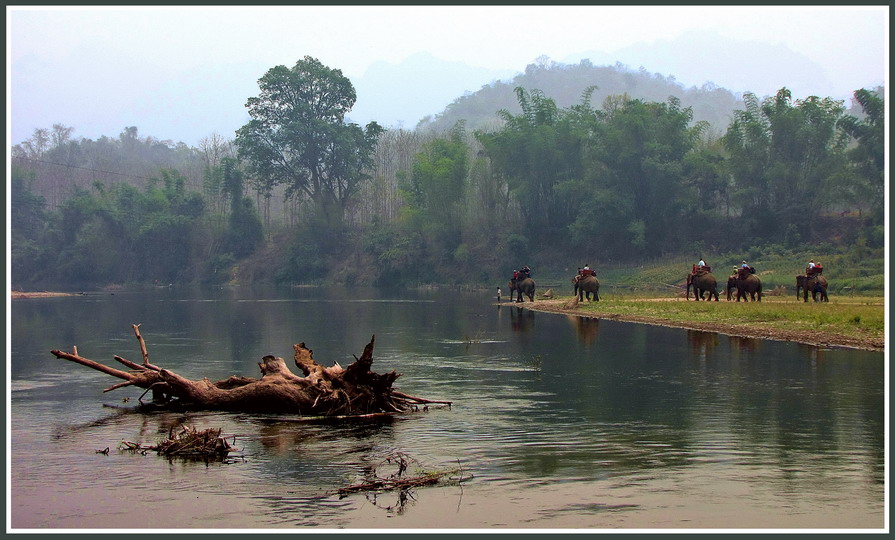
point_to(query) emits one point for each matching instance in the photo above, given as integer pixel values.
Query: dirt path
(810, 337)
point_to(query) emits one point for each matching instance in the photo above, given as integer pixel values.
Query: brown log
(322, 391)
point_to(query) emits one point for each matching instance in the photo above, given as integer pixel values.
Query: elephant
(748, 286)
(524, 286)
(731, 286)
(702, 282)
(816, 283)
(585, 286)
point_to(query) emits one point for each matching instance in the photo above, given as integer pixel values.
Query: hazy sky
(100, 69)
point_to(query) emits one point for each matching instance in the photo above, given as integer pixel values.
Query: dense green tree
(28, 215)
(435, 191)
(245, 232)
(534, 152)
(119, 234)
(785, 159)
(297, 136)
(642, 147)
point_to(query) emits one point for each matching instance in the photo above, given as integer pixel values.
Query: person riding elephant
(702, 281)
(816, 283)
(522, 286)
(587, 284)
(748, 284)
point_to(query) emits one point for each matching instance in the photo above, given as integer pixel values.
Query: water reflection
(522, 320)
(746, 344)
(586, 328)
(702, 343)
(673, 419)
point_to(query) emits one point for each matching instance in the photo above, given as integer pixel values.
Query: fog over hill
(172, 102)
(400, 95)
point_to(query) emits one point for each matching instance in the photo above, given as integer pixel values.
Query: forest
(300, 196)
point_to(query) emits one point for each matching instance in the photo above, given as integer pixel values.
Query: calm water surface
(563, 422)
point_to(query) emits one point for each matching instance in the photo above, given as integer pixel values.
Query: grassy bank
(851, 322)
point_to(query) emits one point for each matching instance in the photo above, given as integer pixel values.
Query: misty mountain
(698, 57)
(565, 84)
(705, 70)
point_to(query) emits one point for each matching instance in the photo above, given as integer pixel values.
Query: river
(561, 422)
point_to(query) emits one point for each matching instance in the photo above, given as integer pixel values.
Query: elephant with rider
(748, 284)
(815, 283)
(523, 287)
(587, 285)
(703, 281)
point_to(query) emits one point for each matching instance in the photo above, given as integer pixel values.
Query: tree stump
(321, 391)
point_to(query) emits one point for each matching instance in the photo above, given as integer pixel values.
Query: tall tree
(642, 146)
(297, 136)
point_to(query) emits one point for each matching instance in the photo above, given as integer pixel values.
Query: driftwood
(322, 391)
(188, 443)
(376, 480)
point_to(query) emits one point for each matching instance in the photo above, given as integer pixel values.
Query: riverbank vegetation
(637, 188)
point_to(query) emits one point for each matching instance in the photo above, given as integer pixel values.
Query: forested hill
(565, 84)
(572, 176)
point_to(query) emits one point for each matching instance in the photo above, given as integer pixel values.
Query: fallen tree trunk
(322, 391)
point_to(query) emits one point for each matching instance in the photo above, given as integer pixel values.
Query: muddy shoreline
(816, 338)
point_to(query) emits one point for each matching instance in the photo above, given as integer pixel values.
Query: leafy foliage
(297, 136)
(630, 180)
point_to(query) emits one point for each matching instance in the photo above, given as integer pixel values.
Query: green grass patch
(860, 318)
